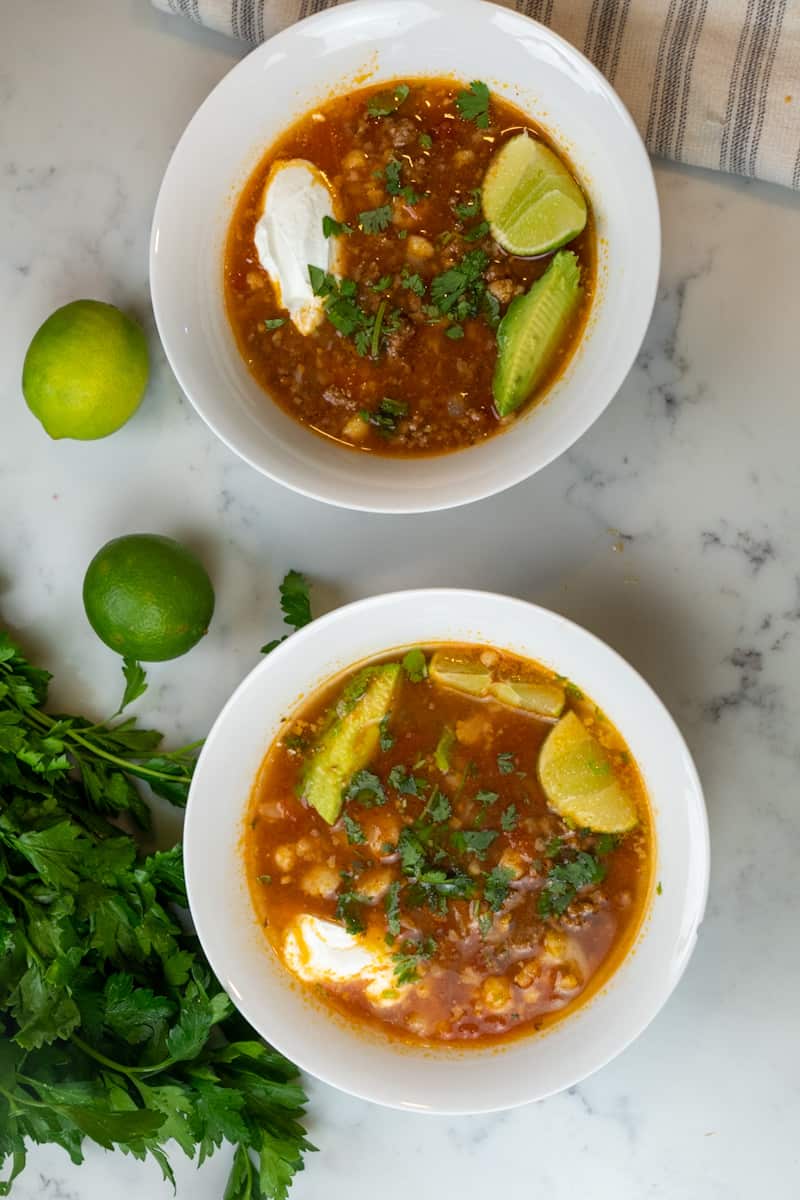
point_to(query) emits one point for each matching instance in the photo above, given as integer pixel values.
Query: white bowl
(444, 1080)
(285, 78)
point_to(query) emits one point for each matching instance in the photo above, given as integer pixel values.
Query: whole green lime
(148, 597)
(85, 371)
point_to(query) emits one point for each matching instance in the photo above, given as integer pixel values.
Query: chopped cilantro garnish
(477, 232)
(466, 209)
(386, 738)
(402, 234)
(322, 283)
(565, 880)
(438, 807)
(411, 850)
(486, 798)
(484, 923)
(473, 105)
(387, 415)
(415, 665)
(455, 332)
(393, 175)
(405, 783)
(491, 309)
(392, 905)
(274, 322)
(331, 228)
(554, 847)
(409, 957)
(505, 763)
(382, 284)
(606, 842)
(459, 292)
(349, 905)
(355, 834)
(414, 283)
(473, 841)
(426, 141)
(509, 818)
(366, 789)
(496, 887)
(375, 220)
(383, 104)
(264, 878)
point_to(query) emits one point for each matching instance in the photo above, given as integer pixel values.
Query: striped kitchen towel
(715, 83)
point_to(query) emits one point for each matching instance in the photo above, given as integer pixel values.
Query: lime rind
(530, 200)
(578, 780)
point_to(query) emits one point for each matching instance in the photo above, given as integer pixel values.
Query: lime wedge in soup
(350, 739)
(531, 331)
(530, 200)
(578, 779)
(462, 674)
(544, 699)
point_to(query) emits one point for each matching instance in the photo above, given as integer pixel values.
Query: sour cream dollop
(288, 237)
(321, 951)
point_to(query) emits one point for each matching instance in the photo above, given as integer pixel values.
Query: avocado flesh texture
(348, 743)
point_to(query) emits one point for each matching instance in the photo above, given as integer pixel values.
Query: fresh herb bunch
(112, 1026)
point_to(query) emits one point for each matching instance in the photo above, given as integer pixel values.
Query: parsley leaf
(415, 665)
(383, 104)
(505, 763)
(375, 220)
(496, 887)
(295, 605)
(135, 682)
(331, 228)
(473, 105)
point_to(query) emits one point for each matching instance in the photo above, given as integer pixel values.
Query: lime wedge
(544, 699)
(578, 780)
(529, 334)
(530, 199)
(461, 674)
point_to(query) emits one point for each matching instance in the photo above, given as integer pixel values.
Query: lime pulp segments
(530, 199)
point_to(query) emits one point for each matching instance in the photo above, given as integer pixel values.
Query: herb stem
(131, 1072)
(125, 763)
(376, 330)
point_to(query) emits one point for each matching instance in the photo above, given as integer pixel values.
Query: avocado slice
(349, 738)
(529, 333)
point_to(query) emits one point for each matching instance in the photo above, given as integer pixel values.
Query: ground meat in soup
(481, 912)
(426, 163)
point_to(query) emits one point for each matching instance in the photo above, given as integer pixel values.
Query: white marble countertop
(670, 530)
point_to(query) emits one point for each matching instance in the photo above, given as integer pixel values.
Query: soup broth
(413, 854)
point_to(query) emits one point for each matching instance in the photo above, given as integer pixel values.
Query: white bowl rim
(696, 893)
(569, 434)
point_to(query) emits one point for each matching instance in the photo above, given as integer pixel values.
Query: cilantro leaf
(387, 416)
(274, 323)
(473, 841)
(425, 140)
(383, 104)
(365, 788)
(496, 887)
(392, 906)
(375, 220)
(332, 228)
(509, 818)
(408, 958)
(565, 880)
(473, 104)
(355, 834)
(505, 763)
(466, 209)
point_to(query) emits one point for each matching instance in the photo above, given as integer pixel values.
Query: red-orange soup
(436, 368)
(474, 910)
